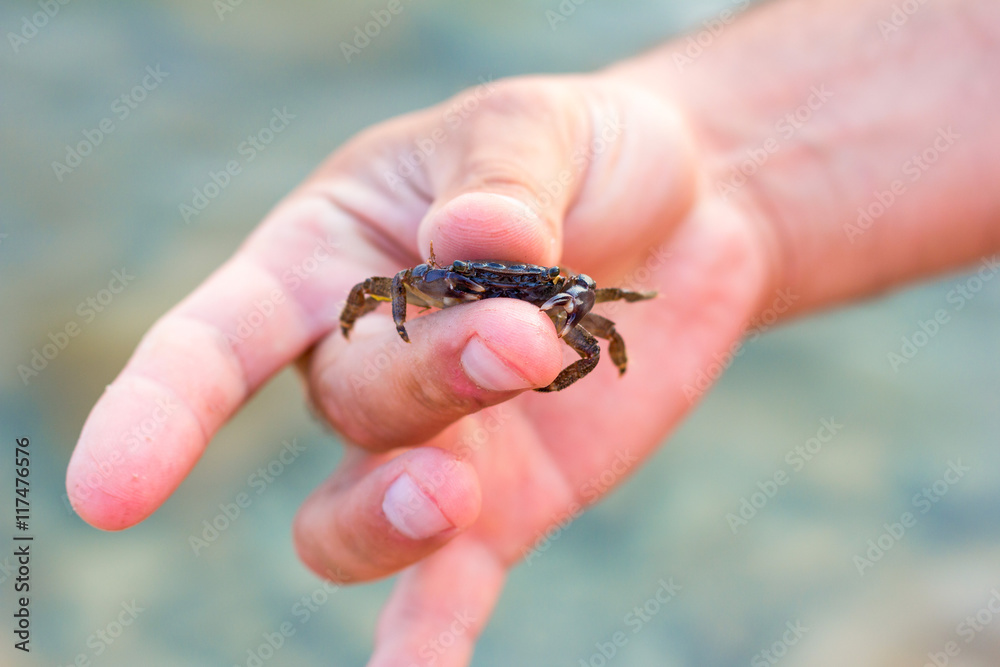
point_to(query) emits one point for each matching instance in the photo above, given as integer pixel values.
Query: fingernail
(487, 370)
(411, 512)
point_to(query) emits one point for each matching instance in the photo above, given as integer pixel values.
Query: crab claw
(561, 318)
(575, 302)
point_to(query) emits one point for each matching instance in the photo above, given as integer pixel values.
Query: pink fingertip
(136, 447)
(484, 225)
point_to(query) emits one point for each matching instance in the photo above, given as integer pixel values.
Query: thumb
(603, 160)
(504, 179)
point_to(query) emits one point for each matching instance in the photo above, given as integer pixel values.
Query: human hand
(452, 465)
(617, 175)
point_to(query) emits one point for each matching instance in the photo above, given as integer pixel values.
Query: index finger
(204, 358)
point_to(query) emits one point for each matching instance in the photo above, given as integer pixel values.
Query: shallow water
(63, 235)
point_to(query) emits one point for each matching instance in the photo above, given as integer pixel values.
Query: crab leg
(398, 294)
(590, 352)
(616, 293)
(605, 328)
(358, 304)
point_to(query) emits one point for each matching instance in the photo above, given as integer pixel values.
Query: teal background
(61, 240)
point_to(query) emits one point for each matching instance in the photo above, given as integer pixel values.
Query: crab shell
(566, 299)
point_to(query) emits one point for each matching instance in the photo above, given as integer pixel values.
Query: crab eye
(458, 266)
(552, 272)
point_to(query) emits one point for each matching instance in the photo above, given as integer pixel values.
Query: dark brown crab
(567, 299)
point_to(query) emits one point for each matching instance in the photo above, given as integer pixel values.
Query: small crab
(566, 299)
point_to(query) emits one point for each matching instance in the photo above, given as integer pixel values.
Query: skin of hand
(453, 468)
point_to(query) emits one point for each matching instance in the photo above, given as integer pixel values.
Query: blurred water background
(228, 65)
